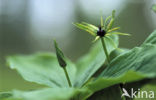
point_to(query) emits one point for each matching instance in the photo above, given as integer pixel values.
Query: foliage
(43, 68)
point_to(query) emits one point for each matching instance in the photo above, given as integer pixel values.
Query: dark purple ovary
(101, 32)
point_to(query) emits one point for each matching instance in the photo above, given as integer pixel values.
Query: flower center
(101, 32)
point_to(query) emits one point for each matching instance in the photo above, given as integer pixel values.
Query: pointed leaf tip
(60, 55)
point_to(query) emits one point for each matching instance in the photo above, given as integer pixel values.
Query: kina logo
(137, 94)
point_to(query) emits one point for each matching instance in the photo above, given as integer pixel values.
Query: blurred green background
(28, 26)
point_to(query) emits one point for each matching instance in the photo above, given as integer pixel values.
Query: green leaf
(116, 52)
(42, 68)
(5, 95)
(154, 7)
(151, 38)
(91, 62)
(104, 82)
(107, 38)
(132, 65)
(50, 94)
(43, 94)
(45, 69)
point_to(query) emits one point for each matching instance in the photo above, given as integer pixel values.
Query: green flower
(105, 30)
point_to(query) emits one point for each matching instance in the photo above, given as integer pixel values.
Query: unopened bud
(60, 56)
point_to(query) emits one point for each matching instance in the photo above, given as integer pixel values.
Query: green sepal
(109, 26)
(119, 33)
(87, 27)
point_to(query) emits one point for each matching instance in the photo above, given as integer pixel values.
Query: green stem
(123, 98)
(105, 49)
(67, 76)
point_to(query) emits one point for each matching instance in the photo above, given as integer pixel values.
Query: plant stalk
(105, 49)
(120, 88)
(67, 76)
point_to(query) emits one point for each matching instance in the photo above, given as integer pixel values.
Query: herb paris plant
(43, 68)
(104, 31)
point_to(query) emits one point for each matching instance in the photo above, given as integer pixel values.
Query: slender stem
(67, 76)
(123, 98)
(105, 49)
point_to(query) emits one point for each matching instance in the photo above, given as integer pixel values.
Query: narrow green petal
(113, 14)
(106, 21)
(113, 29)
(96, 38)
(109, 26)
(119, 33)
(90, 25)
(86, 28)
(92, 33)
